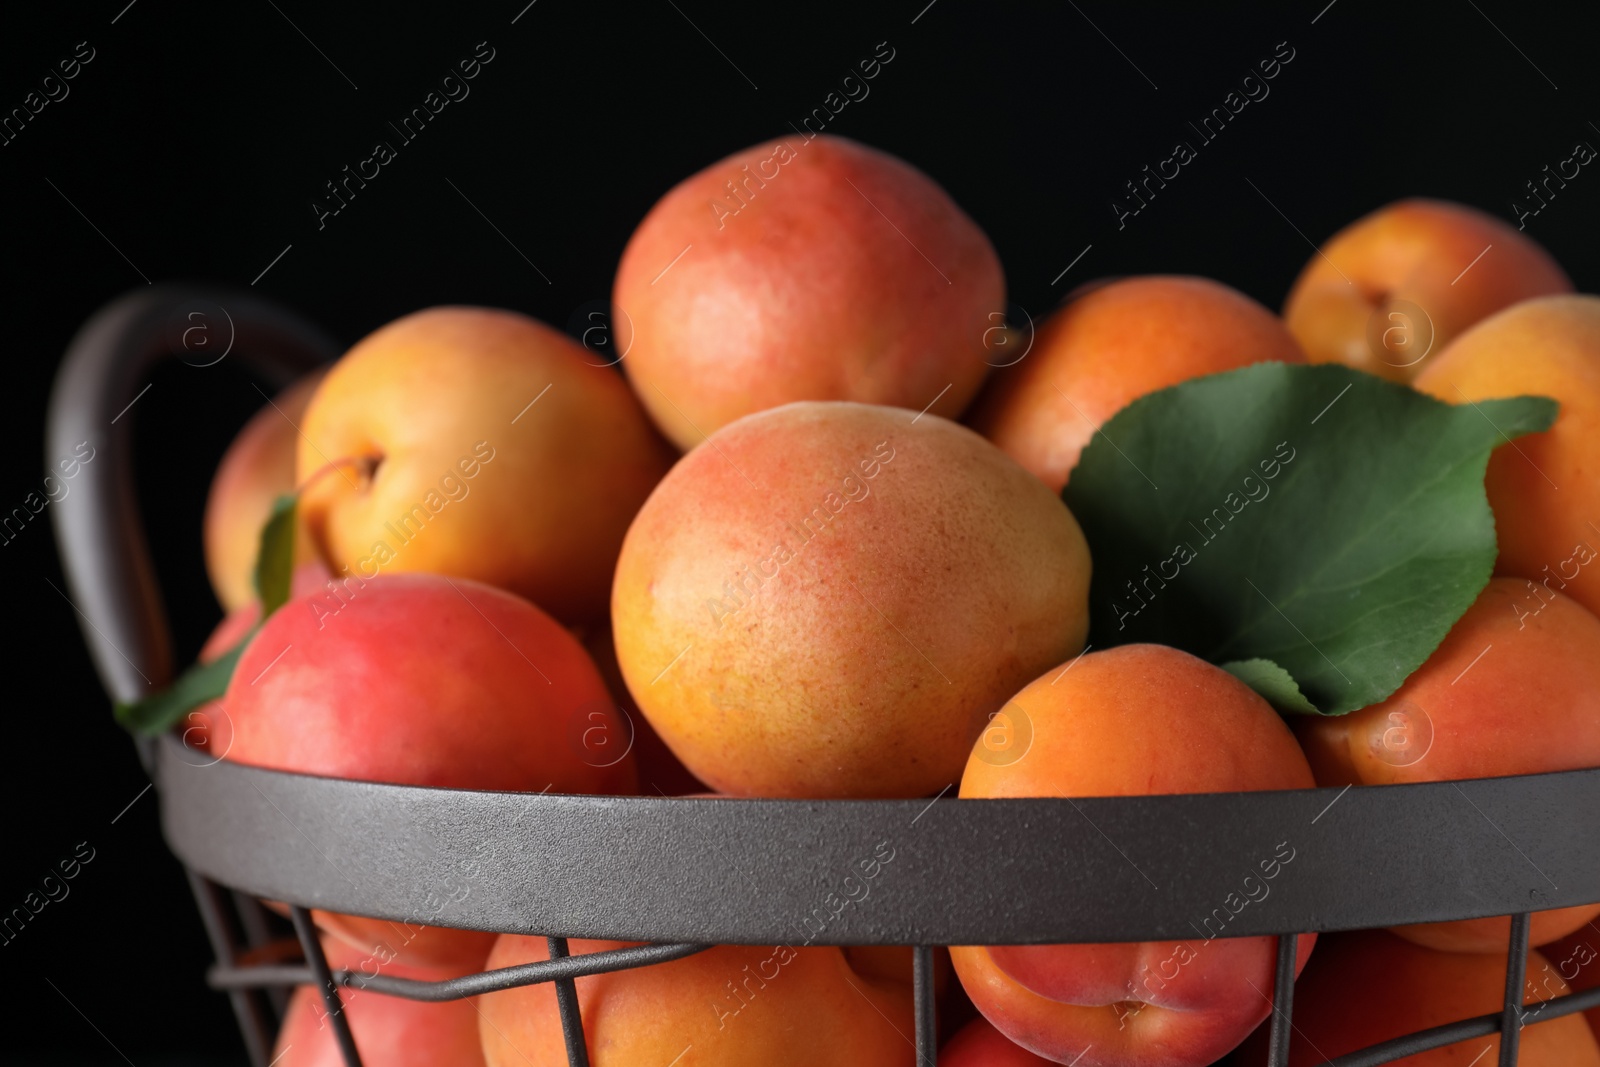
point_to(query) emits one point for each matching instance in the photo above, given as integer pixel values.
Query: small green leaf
(275, 558)
(198, 685)
(1324, 519)
(1272, 682)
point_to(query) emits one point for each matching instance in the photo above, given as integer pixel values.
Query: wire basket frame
(655, 870)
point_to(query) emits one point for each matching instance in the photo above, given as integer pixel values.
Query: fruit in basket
(480, 444)
(730, 1006)
(1575, 960)
(1112, 345)
(257, 468)
(979, 1044)
(422, 680)
(1545, 489)
(1513, 689)
(804, 269)
(387, 1030)
(1369, 986)
(829, 599)
(1135, 720)
(207, 727)
(1388, 292)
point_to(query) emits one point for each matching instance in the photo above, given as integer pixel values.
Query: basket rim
(941, 871)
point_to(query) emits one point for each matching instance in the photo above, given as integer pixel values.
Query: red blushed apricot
(206, 728)
(388, 1031)
(1135, 720)
(730, 1006)
(1110, 346)
(1387, 293)
(1367, 987)
(979, 1044)
(804, 269)
(1513, 689)
(420, 679)
(257, 468)
(1545, 487)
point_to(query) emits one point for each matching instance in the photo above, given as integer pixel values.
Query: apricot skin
(1575, 959)
(979, 1044)
(1132, 721)
(387, 1030)
(1421, 252)
(1369, 986)
(257, 468)
(730, 1006)
(863, 658)
(1544, 488)
(847, 275)
(479, 444)
(421, 680)
(1110, 346)
(1503, 694)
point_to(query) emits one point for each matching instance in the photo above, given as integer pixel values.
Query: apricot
(1575, 960)
(480, 444)
(422, 680)
(255, 471)
(1514, 688)
(387, 1030)
(804, 269)
(731, 1005)
(1367, 987)
(979, 1044)
(207, 727)
(1387, 293)
(1132, 721)
(1544, 488)
(1108, 347)
(829, 599)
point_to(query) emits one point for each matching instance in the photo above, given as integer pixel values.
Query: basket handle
(99, 535)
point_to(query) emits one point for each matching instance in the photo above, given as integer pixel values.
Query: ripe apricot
(390, 1031)
(1131, 721)
(1544, 488)
(479, 444)
(1389, 292)
(257, 468)
(1575, 960)
(422, 680)
(1110, 346)
(828, 599)
(979, 1044)
(804, 269)
(1514, 688)
(730, 1006)
(1369, 986)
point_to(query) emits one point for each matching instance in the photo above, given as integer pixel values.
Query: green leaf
(1272, 682)
(275, 558)
(198, 685)
(1314, 516)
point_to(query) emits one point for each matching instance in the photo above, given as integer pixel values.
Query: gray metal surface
(106, 367)
(957, 871)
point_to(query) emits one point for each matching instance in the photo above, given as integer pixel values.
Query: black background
(192, 146)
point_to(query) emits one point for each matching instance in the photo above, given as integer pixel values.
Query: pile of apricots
(802, 535)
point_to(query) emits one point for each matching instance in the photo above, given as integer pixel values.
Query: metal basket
(683, 874)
